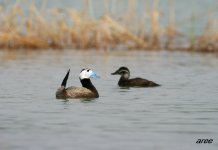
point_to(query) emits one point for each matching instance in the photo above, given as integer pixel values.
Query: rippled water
(173, 116)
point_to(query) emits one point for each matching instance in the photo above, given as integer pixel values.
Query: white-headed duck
(86, 91)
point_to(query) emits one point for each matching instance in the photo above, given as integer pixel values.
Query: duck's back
(139, 82)
(79, 92)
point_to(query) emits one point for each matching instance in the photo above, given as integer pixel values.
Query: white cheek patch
(85, 74)
(126, 75)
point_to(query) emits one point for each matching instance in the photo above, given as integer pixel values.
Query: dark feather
(142, 82)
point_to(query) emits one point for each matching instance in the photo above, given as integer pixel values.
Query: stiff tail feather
(61, 92)
(64, 82)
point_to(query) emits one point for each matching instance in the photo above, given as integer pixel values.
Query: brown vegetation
(68, 28)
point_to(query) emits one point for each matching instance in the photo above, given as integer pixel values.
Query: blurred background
(107, 24)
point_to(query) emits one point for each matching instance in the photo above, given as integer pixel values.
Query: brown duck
(134, 82)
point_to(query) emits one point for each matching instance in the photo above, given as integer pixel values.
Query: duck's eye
(88, 70)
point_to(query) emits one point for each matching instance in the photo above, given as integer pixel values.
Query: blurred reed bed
(35, 28)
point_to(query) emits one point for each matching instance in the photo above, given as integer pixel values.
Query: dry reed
(68, 28)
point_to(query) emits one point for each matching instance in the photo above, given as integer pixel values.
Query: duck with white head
(87, 90)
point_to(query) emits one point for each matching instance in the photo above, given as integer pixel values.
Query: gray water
(170, 117)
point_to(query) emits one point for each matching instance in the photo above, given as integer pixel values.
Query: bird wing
(141, 82)
(78, 92)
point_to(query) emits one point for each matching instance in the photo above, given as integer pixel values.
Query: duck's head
(87, 74)
(123, 71)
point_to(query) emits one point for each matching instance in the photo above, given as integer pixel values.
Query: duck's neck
(123, 80)
(88, 84)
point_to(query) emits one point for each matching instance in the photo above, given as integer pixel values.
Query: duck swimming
(86, 91)
(135, 82)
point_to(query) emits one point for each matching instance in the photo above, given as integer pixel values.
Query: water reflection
(88, 100)
(123, 89)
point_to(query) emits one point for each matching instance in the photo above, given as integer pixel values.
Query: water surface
(173, 116)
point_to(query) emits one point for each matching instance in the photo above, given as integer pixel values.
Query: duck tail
(61, 92)
(155, 84)
(64, 82)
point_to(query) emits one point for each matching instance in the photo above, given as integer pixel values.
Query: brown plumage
(134, 82)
